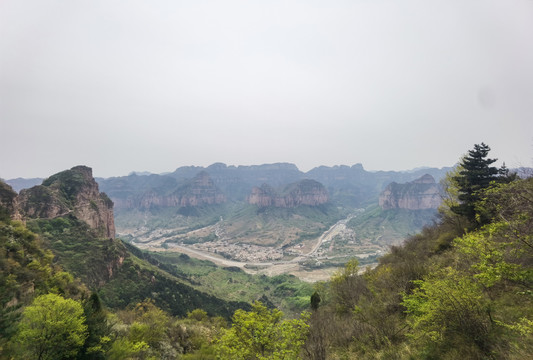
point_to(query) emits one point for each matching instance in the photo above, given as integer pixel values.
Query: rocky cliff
(201, 190)
(420, 194)
(304, 192)
(8, 202)
(73, 192)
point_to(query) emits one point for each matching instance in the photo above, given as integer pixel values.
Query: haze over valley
(274, 180)
(273, 218)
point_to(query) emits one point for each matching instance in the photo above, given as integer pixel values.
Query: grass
(389, 226)
(287, 292)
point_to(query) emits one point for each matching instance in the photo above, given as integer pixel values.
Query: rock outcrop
(420, 194)
(304, 192)
(8, 200)
(201, 190)
(73, 192)
(262, 196)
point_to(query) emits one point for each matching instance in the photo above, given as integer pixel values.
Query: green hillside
(460, 289)
(285, 292)
(280, 226)
(109, 268)
(390, 226)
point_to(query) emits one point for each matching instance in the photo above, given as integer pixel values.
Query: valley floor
(311, 260)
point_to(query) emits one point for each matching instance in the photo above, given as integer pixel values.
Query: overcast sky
(154, 85)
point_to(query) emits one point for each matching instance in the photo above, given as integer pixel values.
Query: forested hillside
(462, 288)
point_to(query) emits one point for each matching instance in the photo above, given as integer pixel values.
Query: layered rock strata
(304, 192)
(420, 194)
(201, 190)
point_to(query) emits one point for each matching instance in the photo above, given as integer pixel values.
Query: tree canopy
(51, 328)
(261, 334)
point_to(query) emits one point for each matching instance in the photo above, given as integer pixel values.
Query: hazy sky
(153, 85)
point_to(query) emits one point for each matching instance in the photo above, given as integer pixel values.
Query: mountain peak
(73, 192)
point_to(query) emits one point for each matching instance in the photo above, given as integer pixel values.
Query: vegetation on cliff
(70, 192)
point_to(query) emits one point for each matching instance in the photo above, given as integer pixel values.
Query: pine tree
(476, 174)
(98, 329)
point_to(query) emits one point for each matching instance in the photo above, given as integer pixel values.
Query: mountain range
(346, 184)
(247, 197)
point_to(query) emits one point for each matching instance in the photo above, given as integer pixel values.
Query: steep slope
(389, 227)
(26, 268)
(73, 192)
(7, 200)
(125, 191)
(201, 190)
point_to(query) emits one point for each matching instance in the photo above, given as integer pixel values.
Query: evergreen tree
(476, 174)
(315, 300)
(98, 329)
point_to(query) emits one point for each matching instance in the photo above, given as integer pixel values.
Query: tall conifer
(476, 174)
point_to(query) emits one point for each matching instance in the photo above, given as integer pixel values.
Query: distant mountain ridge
(22, 183)
(198, 191)
(352, 186)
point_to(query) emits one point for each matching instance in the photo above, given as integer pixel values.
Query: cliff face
(262, 196)
(304, 192)
(199, 191)
(420, 194)
(73, 192)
